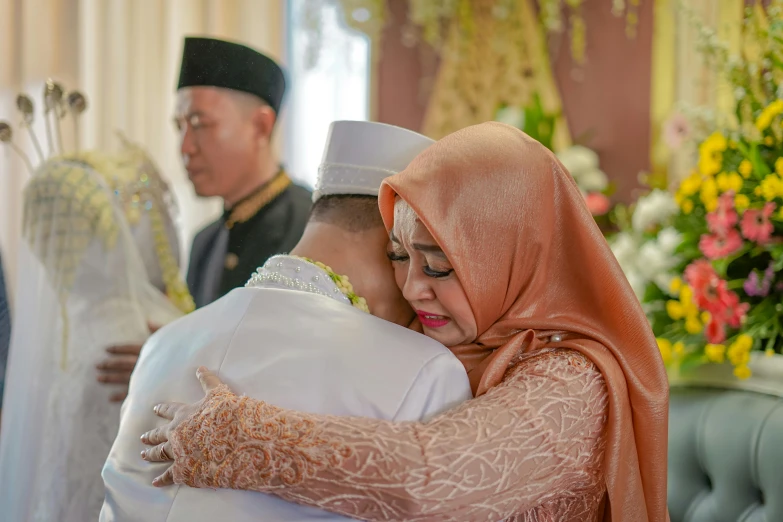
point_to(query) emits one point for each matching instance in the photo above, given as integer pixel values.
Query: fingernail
(155, 408)
(144, 438)
(156, 482)
(144, 454)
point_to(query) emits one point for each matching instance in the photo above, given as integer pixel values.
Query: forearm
(500, 454)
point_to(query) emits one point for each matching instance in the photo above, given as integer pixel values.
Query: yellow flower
(741, 202)
(709, 194)
(711, 154)
(678, 348)
(768, 141)
(729, 182)
(739, 350)
(690, 185)
(687, 206)
(769, 352)
(746, 168)
(665, 347)
(675, 310)
(768, 114)
(779, 166)
(742, 372)
(705, 317)
(744, 342)
(675, 286)
(771, 187)
(693, 325)
(715, 353)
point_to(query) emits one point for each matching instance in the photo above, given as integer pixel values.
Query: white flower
(653, 260)
(592, 180)
(624, 248)
(669, 239)
(653, 209)
(578, 159)
(513, 116)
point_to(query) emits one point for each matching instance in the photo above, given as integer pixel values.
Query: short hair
(351, 212)
(245, 101)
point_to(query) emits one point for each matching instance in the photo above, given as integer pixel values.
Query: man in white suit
(295, 339)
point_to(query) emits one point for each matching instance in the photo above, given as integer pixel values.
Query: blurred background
(605, 74)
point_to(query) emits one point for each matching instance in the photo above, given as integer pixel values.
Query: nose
(417, 285)
(187, 146)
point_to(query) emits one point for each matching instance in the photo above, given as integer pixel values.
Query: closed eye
(396, 258)
(435, 273)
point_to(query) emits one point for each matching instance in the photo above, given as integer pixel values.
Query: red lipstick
(429, 320)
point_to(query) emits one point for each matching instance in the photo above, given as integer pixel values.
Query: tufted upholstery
(725, 456)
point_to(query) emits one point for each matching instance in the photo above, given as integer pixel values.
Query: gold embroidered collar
(249, 207)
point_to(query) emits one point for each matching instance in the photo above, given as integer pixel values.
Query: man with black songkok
(228, 101)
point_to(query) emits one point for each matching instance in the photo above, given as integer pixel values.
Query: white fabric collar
(292, 273)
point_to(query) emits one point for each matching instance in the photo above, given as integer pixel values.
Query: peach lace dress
(530, 449)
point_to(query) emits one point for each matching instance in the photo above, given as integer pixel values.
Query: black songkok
(217, 63)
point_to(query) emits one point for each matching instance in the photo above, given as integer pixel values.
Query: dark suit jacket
(274, 229)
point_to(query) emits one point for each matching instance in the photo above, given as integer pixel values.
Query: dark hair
(354, 213)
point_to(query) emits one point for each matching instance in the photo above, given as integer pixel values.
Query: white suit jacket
(293, 341)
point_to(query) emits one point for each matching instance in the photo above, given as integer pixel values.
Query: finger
(119, 396)
(153, 327)
(160, 453)
(118, 363)
(114, 378)
(167, 410)
(155, 437)
(167, 479)
(125, 349)
(209, 381)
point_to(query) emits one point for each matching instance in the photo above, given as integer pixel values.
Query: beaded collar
(294, 273)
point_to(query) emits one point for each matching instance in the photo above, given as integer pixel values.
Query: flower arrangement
(724, 300)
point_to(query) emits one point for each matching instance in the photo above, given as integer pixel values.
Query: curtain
(503, 61)
(124, 56)
(680, 76)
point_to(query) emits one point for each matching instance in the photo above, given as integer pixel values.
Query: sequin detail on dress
(530, 449)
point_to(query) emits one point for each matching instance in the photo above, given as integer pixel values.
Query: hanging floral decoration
(434, 19)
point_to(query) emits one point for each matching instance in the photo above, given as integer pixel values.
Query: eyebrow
(430, 249)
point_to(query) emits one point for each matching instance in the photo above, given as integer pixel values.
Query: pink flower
(676, 130)
(724, 217)
(756, 225)
(715, 333)
(711, 293)
(597, 203)
(716, 246)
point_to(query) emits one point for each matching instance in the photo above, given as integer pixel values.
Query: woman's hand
(177, 413)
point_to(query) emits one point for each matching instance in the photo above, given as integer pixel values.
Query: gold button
(232, 260)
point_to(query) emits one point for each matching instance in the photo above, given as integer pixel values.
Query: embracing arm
(537, 438)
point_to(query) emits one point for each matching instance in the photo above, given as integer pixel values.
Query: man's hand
(177, 413)
(118, 366)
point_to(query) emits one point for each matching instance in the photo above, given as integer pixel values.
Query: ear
(263, 120)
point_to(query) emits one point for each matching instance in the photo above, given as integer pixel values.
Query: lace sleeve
(532, 444)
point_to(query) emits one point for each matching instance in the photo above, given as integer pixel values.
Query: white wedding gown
(89, 279)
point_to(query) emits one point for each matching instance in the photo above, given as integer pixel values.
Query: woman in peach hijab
(495, 249)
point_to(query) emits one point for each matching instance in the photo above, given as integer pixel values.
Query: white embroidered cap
(359, 155)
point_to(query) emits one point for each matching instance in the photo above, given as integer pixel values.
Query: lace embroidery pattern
(529, 450)
(252, 441)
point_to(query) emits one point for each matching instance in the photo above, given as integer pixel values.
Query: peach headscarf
(533, 263)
